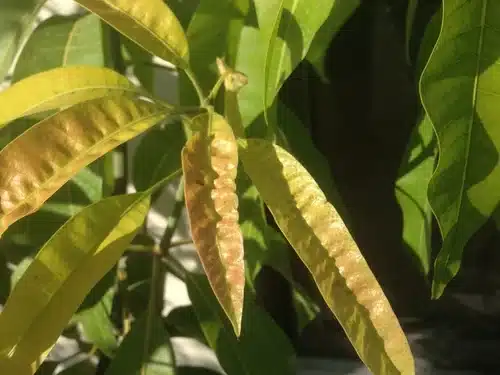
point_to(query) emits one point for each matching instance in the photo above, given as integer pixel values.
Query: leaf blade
(149, 23)
(315, 230)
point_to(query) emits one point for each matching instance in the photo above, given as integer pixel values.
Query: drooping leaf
(31, 170)
(209, 163)
(149, 23)
(415, 174)
(63, 272)
(459, 89)
(16, 22)
(339, 14)
(97, 325)
(80, 253)
(131, 358)
(322, 241)
(262, 348)
(157, 155)
(59, 88)
(62, 41)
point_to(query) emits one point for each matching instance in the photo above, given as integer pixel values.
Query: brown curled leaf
(317, 233)
(209, 163)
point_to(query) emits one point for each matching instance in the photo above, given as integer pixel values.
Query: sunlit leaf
(59, 88)
(16, 21)
(32, 170)
(149, 23)
(460, 89)
(62, 41)
(322, 241)
(339, 14)
(131, 358)
(209, 163)
(79, 254)
(262, 348)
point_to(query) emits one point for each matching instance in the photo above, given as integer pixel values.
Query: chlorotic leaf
(209, 163)
(16, 22)
(59, 88)
(322, 241)
(38, 162)
(149, 23)
(459, 89)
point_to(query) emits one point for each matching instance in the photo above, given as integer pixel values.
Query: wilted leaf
(131, 359)
(339, 14)
(209, 163)
(63, 272)
(460, 89)
(262, 348)
(322, 241)
(59, 88)
(16, 21)
(149, 23)
(61, 41)
(32, 170)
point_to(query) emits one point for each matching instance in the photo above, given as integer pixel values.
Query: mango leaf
(149, 23)
(262, 348)
(58, 88)
(415, 173)
(157, 155)
(63, 272)
(31, 171)
(16, 22)
(182, 321)
(183, 9)
(209, 163)
(61, 41)
(132, 359)
(97, 325)
(339, 14)
(289, 28)
(411, 12)
(322, 241)
(459, 89)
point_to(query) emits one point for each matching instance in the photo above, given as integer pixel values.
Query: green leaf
(262, 347)
(31, 171)
(62, 41)
(185, 370)
(322, 241)
(411, 12)
(149, 23)
(131, 359)
(460, 89)
(183, 9)
(182, 321)
(63, 272)
(209, 164)
(59, 88)
(97, 325)
(16, 21)
(157, 155)
(415, 173)
(339, 14)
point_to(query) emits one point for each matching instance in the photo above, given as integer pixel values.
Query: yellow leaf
(322, 241)
(149, 23)
(58, 88)
(209, 163)
(38, 162)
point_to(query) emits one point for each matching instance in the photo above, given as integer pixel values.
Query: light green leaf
(157, 155)
(262, 347)
(63, 272)
(16, 22)
(322, 241)
(62, 41)
(460, 90)
(414, 175)
(149, 23)
(131, 358)
(341, 11)
(31, 171)
(59, 88)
